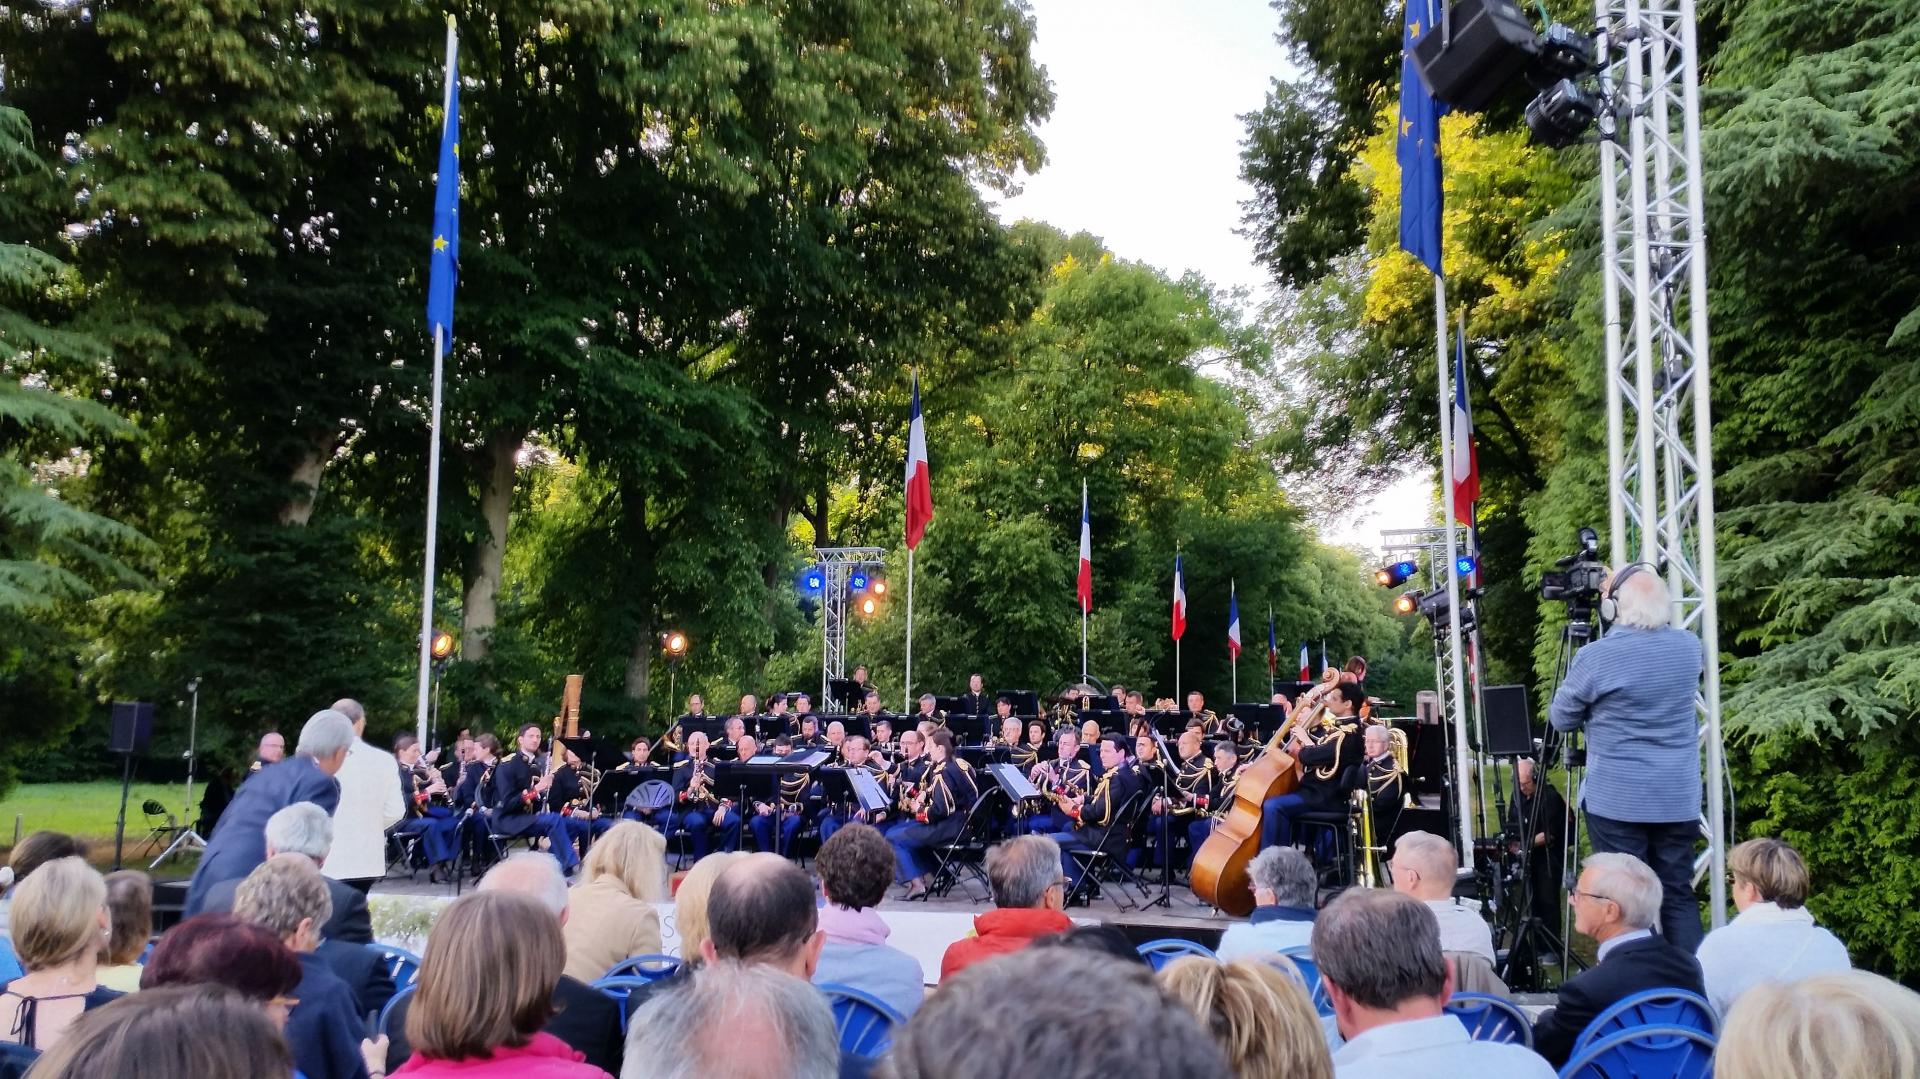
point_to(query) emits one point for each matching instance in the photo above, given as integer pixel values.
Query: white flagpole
(1083, 645)
(1233, 660)
(433, 473)
(908, 710)
(1463, 776)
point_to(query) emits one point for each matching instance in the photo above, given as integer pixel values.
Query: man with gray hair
(1284, 885)
(239, 841)
(371, 802)
(738, 1020)
(1380, 961)
(1633, 692)
(1615, 902)
(305, 828)
(583, 1017)
(1423, 867)
(1029, 896)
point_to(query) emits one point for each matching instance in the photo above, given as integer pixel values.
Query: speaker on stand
(132, 730)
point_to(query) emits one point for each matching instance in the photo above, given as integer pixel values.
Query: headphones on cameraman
(1609, 606)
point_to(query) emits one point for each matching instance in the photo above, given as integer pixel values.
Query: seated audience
(221, 950)
(855, 867)
(32, 852)
(690, 902)
(1258, 1013)
(762, 911)
(1773, 937)
(485, 993)
(287, 895)
(1284, 885)
(1850, 1023)
(305, 828)
(1029, 894)
(130, 918)
(737, 1021)
(1423, 866)
(1616, 902)
(610, 915)
(59, 928)
(1380, 961)
(182, 1032)
(1057, 1013)
(583, 1017)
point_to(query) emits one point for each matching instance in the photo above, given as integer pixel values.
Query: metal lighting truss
(836, 565)
(1659, 426)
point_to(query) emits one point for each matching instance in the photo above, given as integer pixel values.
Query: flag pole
(433, 470)
(1463, 775)
(1475, 660)
(908, 710)
(1083, 645)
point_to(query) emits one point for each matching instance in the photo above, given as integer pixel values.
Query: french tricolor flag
(1085, 584)
(1233, 622)
(919, 478)
(1306, 675)
(1179, 601)
(1466, 460)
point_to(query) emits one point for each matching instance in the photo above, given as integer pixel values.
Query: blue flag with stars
(444, 268)
(1418, 145)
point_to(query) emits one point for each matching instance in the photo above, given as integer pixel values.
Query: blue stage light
(815, 580)
(1465, 564)
(857, 582)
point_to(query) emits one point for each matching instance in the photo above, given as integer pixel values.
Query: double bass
(1219, 874)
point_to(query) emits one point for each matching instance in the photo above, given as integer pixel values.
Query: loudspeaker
(132, 726)
(1492, 43)
(1509, 723)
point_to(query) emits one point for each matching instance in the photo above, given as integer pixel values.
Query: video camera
(1578, 580)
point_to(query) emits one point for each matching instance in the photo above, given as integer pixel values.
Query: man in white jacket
(370, 803)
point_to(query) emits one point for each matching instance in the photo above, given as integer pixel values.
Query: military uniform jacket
(1220, 791)
(1192, 780)
(1072, 776)
(908, 777)
(683, 773)
(1384, 785)
(1100, 813)
(513, 813)
(976, 704)
(950, 793)
(1333, 750)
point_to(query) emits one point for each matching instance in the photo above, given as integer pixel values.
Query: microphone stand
(1166, 822)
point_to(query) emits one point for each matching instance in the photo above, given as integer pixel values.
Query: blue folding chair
(1491, 1019)
(620, 987)
(1668, 1052)
(400, 964)
(386, 1010)
(1165, 950)
(651, 967)
(1302, 957)
(1651, 1007)
(864, 1022)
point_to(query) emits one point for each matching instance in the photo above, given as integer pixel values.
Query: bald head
(1423, 866)
(762, 910)
(350, 708)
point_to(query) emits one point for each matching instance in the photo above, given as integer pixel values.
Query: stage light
(1408, 603)
(868, 606)
(442, 645)
(815, 580)
(857, 582)
(1487, 46)
(674, 643)
(878, 587)
(1561, 114)
(1466, 565)
(1396, 573)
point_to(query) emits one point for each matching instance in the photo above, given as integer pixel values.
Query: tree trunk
(298, 510)
(641, 589)
(480, 609)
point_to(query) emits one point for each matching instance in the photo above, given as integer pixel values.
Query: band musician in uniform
(1385, 782)
(1065, 776)
(520, 785)
(1192, 774)
(1094, 816)
(1213, 795)
(702, 810)
(834, 817)
(1197, 710)
(788, 808)
(935, 814)
(1326, 753)
(975, 702)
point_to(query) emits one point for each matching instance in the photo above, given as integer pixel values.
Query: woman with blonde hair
(59, 929)
(690, 902)
(1259, 1015)
(1847, 1024)
(610, 915)
(485, 992)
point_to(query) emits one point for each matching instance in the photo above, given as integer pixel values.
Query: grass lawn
(88, 810)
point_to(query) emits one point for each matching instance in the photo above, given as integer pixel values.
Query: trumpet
(696, 784)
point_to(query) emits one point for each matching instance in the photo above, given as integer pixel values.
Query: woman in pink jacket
(486, 990)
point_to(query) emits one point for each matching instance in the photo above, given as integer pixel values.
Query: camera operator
(1550, 827)
(1633, 691)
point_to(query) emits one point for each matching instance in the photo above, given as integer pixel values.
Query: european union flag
(444, 268)
(1418, 144)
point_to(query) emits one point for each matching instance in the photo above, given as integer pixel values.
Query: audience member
(306, 828)
(762, 911)
(1110, 940)
(1055, 1012)
(1850, 1023)
(59, 930)
(610, 916)
(182, 1032)
(855, 867)
(1773, 937)
(288, 896)
(1284, 885)
(222, 950)
(239, 842)
(1259, 1015)
(32, 852)
(1029, 896)
(371, 802)
(486, 995)
(690, 902)
(1616, 902)
(1379, 957)
(130, 928)
(583, 1017)
(735, 1021)
(1423, 866)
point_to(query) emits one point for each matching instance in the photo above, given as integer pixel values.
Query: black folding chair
(1109, 858)
(966, 850)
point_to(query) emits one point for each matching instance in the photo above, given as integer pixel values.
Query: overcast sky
(1143, 150)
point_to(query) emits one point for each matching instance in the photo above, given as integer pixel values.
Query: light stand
(187, 837)
(1165, 899)
(674, 643)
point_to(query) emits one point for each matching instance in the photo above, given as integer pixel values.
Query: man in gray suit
(239, 843)
(1633, 690)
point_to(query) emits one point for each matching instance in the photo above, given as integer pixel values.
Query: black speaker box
(132, 726)
(1492, 43)
(1509, 722)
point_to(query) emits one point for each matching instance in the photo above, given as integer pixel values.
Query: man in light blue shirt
(1633, 692)
(1283, 884)
(1379, 956)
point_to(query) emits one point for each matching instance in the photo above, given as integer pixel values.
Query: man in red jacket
(1031, 894)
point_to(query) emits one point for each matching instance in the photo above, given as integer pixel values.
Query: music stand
(1018, 788)
(967, 729)
(1026, 702)
(846, 692)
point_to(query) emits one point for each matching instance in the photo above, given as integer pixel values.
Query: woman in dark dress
(59, 928)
